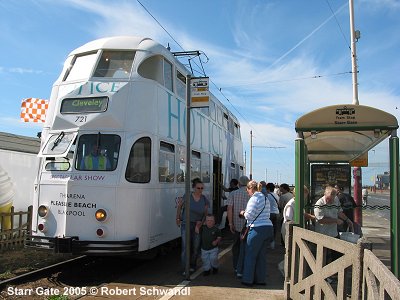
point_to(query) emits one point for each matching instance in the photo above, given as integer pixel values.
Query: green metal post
(394, 204)
(299, 181)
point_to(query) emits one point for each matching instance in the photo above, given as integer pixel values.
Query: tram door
(217, 191)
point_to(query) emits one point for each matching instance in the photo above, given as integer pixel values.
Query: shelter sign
(200, 95)
(361, 161)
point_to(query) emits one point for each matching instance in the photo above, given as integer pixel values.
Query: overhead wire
(219, 89)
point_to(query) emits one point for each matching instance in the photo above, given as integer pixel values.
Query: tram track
(40, 272)
(69, 277)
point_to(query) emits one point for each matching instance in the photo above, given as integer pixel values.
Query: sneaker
(214, 270)
(238, 275)
(206, 273)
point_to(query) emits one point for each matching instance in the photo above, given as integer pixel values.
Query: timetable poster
(323, 175)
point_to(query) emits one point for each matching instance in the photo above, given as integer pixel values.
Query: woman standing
(260, 234)
(198, 211)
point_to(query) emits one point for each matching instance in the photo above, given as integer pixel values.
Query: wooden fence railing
(355, 273)
(13, 228)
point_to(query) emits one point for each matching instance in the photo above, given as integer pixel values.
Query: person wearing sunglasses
(198, 211)
(261, 232)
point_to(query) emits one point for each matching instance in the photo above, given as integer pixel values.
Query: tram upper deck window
(81, 67)
(115, 64)
(97, 152)
(236, 130)
(212, 110)
(139, 164)
(181, 85)
(157, 68)
(225, 121)
(168, 75)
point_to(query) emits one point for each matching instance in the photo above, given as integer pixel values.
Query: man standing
(237, 201)
(347, 203)
(329, 214)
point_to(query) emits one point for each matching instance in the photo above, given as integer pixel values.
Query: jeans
(255, 260)
(194, 245)
(240, 260)
(209, 258)
(236, 249)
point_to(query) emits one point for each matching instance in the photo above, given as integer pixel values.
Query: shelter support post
(357, 175)
(300, 162)
(394, 203)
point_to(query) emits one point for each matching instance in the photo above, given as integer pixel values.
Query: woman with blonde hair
(260, 234)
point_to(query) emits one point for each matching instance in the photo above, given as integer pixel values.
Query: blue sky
(263, 55)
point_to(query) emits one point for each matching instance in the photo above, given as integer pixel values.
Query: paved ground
(225, 285)
(375, 230)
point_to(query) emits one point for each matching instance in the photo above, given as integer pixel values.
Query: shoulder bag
(245, 230)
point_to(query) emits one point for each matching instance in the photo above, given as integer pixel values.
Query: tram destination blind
(84, 105)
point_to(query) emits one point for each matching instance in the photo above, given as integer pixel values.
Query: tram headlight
(42, 227)
(101, 215)
(43, 211)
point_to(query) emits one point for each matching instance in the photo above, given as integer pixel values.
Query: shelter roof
(343, 132)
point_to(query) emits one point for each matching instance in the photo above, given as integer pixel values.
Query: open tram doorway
(217, 191)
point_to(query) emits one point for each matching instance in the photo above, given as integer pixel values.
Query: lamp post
(251, 155)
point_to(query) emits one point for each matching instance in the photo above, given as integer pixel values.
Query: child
(210, 236)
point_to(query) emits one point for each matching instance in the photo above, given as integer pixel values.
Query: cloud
(19, 70)
(127, 18)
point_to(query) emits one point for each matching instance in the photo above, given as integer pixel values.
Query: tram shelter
(342, 134)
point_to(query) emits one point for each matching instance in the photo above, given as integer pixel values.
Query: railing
(13, 228)
(378, 281)
(356, 273)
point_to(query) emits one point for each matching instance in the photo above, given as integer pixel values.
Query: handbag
(349, 236)
(245, 230)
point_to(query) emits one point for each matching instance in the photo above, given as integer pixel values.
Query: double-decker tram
(113, 155)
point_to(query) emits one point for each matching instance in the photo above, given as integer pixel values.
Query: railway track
(40, 272)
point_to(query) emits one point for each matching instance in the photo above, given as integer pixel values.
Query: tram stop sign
(200, 95)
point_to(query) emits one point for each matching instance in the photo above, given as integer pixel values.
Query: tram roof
(343, 132)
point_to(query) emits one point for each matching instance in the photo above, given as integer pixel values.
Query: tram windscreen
(97, 152)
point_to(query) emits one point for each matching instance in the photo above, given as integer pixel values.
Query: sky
(269, 61)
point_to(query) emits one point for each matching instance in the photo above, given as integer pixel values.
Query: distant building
(382, 181)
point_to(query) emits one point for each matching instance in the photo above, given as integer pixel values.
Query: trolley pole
(187, 180)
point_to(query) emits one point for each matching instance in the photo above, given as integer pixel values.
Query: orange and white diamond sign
(34, 110)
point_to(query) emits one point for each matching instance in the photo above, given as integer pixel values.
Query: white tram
(113, 150)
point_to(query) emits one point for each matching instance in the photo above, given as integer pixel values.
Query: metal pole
(394, 204)
(357, 175)
(187, 178)
(299, 204)
(251, 155)
(353, 54)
